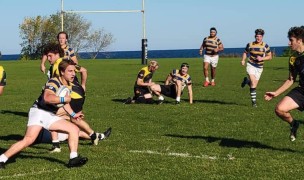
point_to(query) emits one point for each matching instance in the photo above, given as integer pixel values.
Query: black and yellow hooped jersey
(296, 67)
(53, 85)
(2, 76)
(68, 52)
(185, 79)
(144, 74)
(255, 50)
(210, 44)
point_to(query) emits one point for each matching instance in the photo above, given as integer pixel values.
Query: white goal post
(144, 41)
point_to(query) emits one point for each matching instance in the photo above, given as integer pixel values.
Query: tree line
(36, 32)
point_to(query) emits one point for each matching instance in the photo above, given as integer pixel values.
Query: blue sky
(170, 24)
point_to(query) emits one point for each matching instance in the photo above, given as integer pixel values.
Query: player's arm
(42, 64)
(190, 92)
(74, 58)
(168, 79)
(51, 98)
(287, 84)
(1, 90)
(220, 47)
(202, 48)
(83, 74)
(244, 56)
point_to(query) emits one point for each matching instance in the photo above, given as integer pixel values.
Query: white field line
(183, 155)
(29, 173)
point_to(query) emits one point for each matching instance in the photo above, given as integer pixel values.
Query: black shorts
(168, 90)
(297, 94)
(140, 91)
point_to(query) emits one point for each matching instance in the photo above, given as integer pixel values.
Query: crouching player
(43, 115)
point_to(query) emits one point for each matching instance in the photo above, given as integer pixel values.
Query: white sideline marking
(30, 173)
(184, 155)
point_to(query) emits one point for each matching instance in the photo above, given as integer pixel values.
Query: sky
(170, 24)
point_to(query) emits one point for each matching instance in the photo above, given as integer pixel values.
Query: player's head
(153, 65)
(213, 31)
(53, 51)
(62, 37)
(296, 37)
(184, 68)
(259, 32)
(67, 70)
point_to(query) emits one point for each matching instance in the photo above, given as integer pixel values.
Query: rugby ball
(62, 92)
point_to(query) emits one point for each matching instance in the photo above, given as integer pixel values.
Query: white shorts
(251, 70)
(213, 60)
(42, 118)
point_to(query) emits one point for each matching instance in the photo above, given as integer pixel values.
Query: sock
(102, 136)
(207, 79)
(3, 158)
(253, 94)
(292, 122)
(56, 143)
(93, 135)
(212, 80)
(178, 99)
(73, 155)
(161, 98)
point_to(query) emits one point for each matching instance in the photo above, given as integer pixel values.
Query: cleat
(177, 102)
(95, 139)
(254, 104)
(160, 102)
(55, 149)
(206, 83)
(77, 161)
(2, 165)
(293, 130)
(245, 81)
(105, 135)
(128, 100)
(212, 83)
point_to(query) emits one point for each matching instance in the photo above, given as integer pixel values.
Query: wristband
(73, 114)
(62, 99)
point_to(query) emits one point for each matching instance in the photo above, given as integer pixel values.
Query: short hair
(213, 29)
(62, 32)
(153, 63)
(296, 32)
(64, 64)
(184, 65)
(53, 48)
(259, 32)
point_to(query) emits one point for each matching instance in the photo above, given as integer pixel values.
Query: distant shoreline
(173, 53)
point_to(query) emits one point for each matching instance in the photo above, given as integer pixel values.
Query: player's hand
(269, 95)
(243, 62)
(79, 116)
(259, 58)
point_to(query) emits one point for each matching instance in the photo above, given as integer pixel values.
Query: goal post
(144, 41)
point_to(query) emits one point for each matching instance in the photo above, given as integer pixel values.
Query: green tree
(287, 52)
(38, 31)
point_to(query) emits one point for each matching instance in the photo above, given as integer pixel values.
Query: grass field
(220, 136)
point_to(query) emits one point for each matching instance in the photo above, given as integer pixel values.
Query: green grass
(220, 136)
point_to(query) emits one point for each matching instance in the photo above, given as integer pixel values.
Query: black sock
(93, 136)
(56, 144)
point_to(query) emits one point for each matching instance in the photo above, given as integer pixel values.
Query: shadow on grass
(23, 114)
(231, 142)
(23, 156)
(10, 137)
(215, 102)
